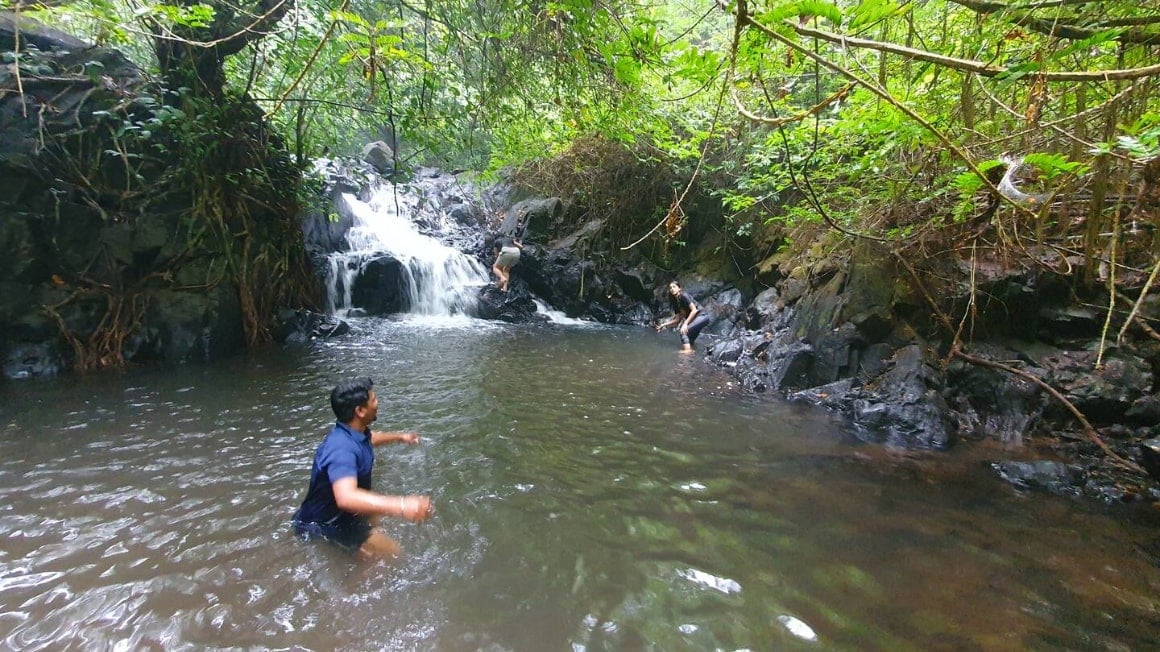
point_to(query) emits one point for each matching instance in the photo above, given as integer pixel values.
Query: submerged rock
(798, 628)
(1056, 477)
(32, 360)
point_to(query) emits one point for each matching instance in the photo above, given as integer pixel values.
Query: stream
(593, 489)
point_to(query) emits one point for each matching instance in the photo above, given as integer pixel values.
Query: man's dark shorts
(347, 534)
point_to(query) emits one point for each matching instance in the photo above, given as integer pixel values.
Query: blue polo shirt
(344, 453)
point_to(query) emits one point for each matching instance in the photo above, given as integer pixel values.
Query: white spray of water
(556, 316)
(442, 281)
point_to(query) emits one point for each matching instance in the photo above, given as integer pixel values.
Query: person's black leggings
(699, 322)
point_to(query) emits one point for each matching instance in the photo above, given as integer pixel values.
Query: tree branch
(1024, 17)
(229, 38)
(745, 18)
(798, 117)
(969, 65)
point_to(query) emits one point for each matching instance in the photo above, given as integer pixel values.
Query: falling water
(441, 281)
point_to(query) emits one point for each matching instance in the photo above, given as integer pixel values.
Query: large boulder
(34, 34)
(187, 327)
(382, 286)
(515, 306)
(991, 404)
(532, 218)
(380, 156)
(905, 405)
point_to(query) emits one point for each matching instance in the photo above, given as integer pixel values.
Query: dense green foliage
(879, 117)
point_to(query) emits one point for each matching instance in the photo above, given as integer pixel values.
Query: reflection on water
(594, 490)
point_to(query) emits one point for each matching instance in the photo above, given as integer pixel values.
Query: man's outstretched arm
(379, 438)
(350, 498)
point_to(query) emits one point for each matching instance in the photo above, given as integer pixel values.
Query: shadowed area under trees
(159, 213)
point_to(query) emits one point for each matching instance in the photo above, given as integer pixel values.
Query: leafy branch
(977, 67)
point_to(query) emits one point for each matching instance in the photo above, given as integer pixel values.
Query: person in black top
(686, 312)
(507, 254)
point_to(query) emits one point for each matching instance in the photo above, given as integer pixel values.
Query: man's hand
(408, 438)
(417, 508)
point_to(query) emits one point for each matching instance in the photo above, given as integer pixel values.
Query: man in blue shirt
(339, 504)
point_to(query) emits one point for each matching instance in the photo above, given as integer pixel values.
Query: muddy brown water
(594, 490)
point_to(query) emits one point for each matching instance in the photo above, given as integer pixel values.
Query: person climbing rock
(507, 254)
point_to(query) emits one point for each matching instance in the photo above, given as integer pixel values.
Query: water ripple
(592, 489)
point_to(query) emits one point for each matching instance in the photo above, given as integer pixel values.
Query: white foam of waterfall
(556, 316)
(442, 281)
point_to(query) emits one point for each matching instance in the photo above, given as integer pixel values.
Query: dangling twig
(1135, 316)
(1139, 301)
(16, 63)
(675, 207)
(1111, 291)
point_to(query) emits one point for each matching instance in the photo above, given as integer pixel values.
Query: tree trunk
(186, 63)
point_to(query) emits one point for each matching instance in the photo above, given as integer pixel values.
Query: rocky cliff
(135, 228)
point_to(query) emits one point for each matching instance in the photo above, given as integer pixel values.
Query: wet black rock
(297, 327)
(905, 405)
(988, 403)
(32, 360)
(382, 285)
(1150, 457)
(515, 306)
(1055, 477)
(1102, 392)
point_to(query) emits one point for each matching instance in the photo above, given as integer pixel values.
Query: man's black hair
(348, 395)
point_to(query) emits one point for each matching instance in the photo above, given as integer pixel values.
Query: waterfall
(438, 279)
